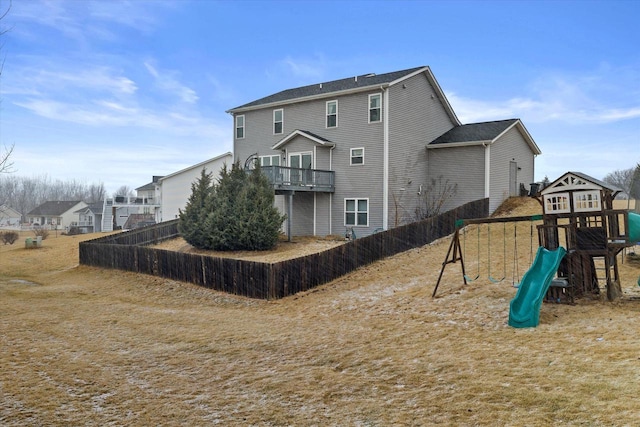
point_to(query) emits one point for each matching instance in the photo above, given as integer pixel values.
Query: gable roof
(151, 185)
(483, 133)
(94, 208)
(8, 211)
(345, 86)
(199, 165)
(53, 208)
(578, 181)
(305, 133)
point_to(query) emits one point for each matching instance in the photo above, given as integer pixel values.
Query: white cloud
(85, 21)
(44, 78)
(303, 69)
(168, 82)
(580, 99)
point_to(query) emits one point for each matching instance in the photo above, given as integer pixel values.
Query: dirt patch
(299, 246)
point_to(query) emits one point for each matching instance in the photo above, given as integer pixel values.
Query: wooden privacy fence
(128, 251)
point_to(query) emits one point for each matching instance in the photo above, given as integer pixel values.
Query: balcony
(286, 179)
(133, 201)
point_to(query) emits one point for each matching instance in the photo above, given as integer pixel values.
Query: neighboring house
(90, 218)
(116, 210)
(55, 214)
(176, 187)
(362, 152)
(9, 217)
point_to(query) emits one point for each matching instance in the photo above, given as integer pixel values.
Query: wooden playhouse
(578, 214)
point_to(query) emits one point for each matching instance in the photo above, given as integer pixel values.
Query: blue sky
(117, 91)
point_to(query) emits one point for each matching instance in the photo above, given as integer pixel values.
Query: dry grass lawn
(85, 346)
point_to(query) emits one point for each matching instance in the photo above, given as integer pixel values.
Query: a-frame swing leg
(453, 255)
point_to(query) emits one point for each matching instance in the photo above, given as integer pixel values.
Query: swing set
(458, 249)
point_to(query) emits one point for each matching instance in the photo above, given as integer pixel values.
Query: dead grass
(85, 346)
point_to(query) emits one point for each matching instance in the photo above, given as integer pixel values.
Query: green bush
(236, 213)
(9, 237)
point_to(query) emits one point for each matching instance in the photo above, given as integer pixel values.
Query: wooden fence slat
(129, 251)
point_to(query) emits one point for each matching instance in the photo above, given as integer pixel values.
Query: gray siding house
(360, 153)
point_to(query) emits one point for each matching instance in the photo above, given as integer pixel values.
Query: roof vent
(370, 75)
(320, 85)
(356, 78)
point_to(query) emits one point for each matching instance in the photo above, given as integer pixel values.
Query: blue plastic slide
(524, 309)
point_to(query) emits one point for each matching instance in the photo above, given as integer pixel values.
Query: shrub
(73, 231)
(42, 232)
(237, 213)
(9, 237)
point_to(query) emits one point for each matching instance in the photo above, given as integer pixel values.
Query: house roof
(151, 185)
(578, 180)
(53, 208)
(199, 165)
(95, 208)
(345, 86)
(7, 211)
(481, 133)
(309, 135)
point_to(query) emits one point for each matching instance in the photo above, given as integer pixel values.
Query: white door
(300, 161)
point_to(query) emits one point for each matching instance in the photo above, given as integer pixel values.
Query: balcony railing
(285, 178)
(128, 201)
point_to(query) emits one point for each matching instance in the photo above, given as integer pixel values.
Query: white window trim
(281, 121)
(326, 110)
(244, 133)
(270, 157)
(351, 156)
(379, 95)
(595, 201)
(547, 203)
(356, 200)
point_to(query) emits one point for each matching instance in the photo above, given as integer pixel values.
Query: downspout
(385, 160)
(331, 194)
(487, 169)
(315, 204)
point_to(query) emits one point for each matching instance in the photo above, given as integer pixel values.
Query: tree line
(26, 193)
(627, 180)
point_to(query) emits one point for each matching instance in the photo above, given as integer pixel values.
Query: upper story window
(357, 156)
(584, 201)
(332, 114)
(375, 108)
(240, 127)
(356, 212)
(273, 160)
(557, 203)
(278, 120)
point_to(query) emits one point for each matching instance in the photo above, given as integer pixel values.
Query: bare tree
(124, 190)
(621, 178)
(6, 166)
(434, 196)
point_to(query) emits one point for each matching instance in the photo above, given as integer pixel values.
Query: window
(278, 119)
(557, 203)
(584, 201)
(357, 156)
(356, 212)
(273, 160)
(332, 114)
(240, 127)
(375, 108)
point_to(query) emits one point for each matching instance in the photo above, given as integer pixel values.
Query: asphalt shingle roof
(485, 131)
(53, 208)
(330, 87)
